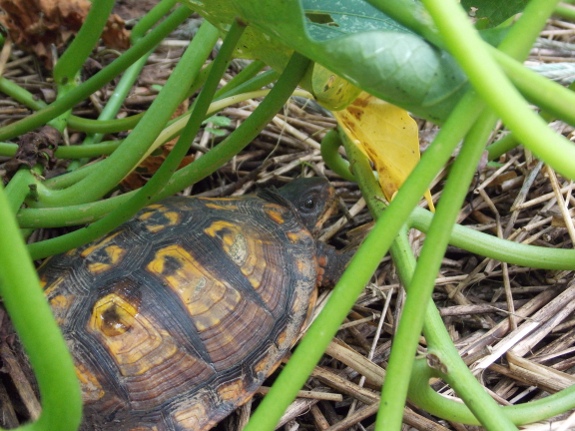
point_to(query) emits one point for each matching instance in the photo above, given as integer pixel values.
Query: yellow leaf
(387, 135)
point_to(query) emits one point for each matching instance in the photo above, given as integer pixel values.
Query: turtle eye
(309, 204)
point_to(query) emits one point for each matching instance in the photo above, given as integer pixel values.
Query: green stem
(548, 95)
(97, 81)
(426, 398)
(33, 320)
(403, 351)
(329, 152)
(499, 249)
(114, 104)
(160, 178)
(87, 213)
(81, 47)
(18, 188)
(122, 89)
(565, 12)
(501, 146)
(81, 124)
(150, 19)
(421, 287)
(245, 75)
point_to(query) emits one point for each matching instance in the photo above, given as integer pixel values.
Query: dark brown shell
(178, 316)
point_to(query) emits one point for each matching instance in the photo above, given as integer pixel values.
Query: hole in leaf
(321, 18)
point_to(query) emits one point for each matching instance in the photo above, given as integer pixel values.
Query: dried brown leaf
(36, 147)
(35, 25)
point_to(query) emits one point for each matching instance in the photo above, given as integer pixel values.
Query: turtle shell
(176, 318)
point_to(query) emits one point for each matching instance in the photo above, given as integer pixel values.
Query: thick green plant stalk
(150, 19)
(114, 104)
(23, 180)
(548, 95)
(499, 249)
(81, 47)
(32, 318)
(69, 152)
(329, 153)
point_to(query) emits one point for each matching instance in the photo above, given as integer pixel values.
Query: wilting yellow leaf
(387, 135)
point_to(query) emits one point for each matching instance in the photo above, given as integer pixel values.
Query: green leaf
(494, 12)
(353, 40)
(218, 121)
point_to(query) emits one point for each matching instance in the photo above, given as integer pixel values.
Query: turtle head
(313, 199)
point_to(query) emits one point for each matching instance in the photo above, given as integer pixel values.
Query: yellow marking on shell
(173, 217)
(221, 207)
(98, 267)
(263, 365)
(294, 237)
(234, 242)
(91, 388)
(49, 288)
(155, 228)
(225, 199)
(43, 281)
(275, 213)
(281, 338)
(229, 391)
(115, 255)
(60, 305)
(194, 417)
(243, 248)
(130, 337)
(145, 216)
(197, 289)
(255, 282)
(218, 226)
(98, 245)
(71, 252)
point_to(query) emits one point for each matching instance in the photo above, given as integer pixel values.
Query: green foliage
(492, 12)
(218, 122)
(366, 47)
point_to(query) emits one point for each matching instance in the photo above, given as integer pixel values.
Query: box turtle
(176, 318)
